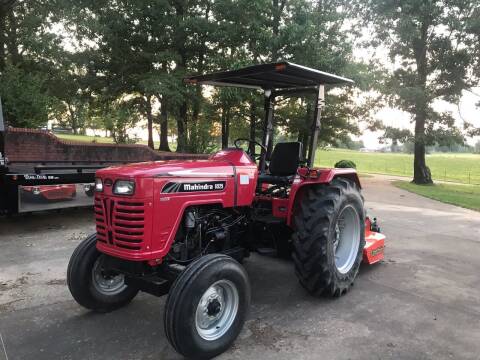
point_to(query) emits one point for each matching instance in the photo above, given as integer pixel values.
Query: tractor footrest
(151, 284)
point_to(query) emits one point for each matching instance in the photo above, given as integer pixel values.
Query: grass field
(463, 168)
(467, 196)
(85, 138)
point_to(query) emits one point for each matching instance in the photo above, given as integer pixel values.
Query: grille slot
(120, 223)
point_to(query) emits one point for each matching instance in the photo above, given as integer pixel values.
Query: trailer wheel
(207, 306)
(329, 237)
(91, 285)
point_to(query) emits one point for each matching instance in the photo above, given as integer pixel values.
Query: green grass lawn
(463, 168)
(467, 196)
(85, 138)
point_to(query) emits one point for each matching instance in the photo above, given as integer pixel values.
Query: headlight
(124, 187)
(98, 185)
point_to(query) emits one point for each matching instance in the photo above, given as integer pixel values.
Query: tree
(25, 103)
(396, 136)
(435, 51)
(29, 53)
(305, 32)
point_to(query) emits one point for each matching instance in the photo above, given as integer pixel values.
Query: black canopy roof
(281, 75)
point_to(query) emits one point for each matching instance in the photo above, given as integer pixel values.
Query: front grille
(120, 223)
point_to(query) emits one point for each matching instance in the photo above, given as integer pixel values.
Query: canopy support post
(267, 128)
(316, 124)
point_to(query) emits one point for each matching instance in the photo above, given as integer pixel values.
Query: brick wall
(40, 145)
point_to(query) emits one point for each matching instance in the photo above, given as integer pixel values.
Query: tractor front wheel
(207, 306)
(91, 284)
(329, 237)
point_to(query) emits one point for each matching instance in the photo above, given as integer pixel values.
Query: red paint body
(53, 192)
(142, 227)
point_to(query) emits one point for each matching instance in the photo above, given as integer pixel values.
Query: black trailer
(27, 186)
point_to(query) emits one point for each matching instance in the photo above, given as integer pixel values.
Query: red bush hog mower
(50, 192)
(184, 227)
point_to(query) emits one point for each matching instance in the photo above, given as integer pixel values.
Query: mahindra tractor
(184, 228)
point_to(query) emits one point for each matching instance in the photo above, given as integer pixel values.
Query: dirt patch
(9, 305)
(57, 282)
(265, 334)
(10, 285)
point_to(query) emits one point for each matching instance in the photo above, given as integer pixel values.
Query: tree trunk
(179, 40)
(2, 37)
(421, 173)
(163, 125)
(278, 7)
(73, 120)
(195, 140)
(225, 127)
(148, 111)
(181, 131)
(12, 38)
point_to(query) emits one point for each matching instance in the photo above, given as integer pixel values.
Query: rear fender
(325, 176)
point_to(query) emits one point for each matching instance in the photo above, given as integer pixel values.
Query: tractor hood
(170, 168)
(221, 164)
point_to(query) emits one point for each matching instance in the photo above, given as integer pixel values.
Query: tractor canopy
(278, 79)
(275, 76)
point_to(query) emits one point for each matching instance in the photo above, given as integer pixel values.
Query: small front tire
(93, 286)
(207, 306)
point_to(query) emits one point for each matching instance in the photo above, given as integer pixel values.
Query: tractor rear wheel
(329, 237)
(207, 306)
(93, 286)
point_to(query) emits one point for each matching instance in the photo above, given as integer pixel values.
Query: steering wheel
(249, 141)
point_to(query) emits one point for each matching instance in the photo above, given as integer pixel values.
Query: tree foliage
(30, 53)
(114, 65)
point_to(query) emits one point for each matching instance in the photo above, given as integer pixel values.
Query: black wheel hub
(214, 307)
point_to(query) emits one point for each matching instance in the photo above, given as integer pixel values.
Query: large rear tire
(93, 286)
(329, 237)
(207, 307)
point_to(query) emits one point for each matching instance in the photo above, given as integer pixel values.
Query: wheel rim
(217, 310)
(347, 239)
(107, 283)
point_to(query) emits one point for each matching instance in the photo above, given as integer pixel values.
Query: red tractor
(185, 227)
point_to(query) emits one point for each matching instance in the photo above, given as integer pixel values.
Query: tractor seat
(284, 163)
